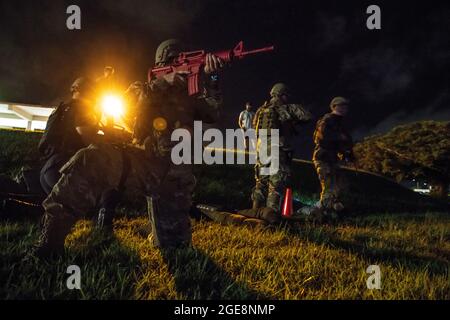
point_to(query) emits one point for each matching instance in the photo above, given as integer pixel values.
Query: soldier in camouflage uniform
(332, 143)
(279, 114)
(107, 171)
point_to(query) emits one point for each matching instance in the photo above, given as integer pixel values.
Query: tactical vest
(268, 118)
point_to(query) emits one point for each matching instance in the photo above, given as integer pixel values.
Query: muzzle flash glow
(112, 106)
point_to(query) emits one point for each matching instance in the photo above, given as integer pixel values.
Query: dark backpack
(52, 139)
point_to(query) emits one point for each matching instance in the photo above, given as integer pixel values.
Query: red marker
(287, 204)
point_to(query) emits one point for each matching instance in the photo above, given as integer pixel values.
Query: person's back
(276, 114)
(330, 138)
(69, 129)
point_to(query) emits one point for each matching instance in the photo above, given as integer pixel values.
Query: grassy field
(299, 261)
(18, 148)
(302, 261)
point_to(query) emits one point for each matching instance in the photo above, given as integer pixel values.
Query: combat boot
(258, 198)
(274, 201)
(55, 228)
(171, 226)
(108, 203)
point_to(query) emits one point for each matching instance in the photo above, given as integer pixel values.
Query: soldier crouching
(144, 169)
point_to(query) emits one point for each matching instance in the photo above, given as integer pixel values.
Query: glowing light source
(160, 124)
(112, 106)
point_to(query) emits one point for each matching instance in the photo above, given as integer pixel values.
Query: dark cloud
(402, 117)
(378, 72)
(438, 110)
(164, 18)
(332, 31)
(43, 57)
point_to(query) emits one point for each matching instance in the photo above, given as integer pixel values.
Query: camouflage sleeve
(211, 101)
(294, 112)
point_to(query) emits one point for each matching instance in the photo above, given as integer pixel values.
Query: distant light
(421, 190)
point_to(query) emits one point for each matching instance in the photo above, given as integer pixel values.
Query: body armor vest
(268, 118)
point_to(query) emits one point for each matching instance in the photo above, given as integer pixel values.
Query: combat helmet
(338, 101)
(279, 89)
(166, 51)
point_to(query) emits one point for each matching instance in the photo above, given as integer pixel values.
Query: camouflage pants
(98, 168)
(331, 184)
(269, 189)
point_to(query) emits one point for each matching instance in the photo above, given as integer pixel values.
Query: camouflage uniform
(332, 143)
(143, 170)
(275, 114)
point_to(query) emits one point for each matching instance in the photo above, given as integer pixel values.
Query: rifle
(191, 62)
(116, 134)
(355, 167)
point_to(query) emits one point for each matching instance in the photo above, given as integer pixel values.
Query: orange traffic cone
(287, 204)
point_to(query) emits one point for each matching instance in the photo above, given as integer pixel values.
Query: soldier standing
(144, 169)
(245, 123)
(281, 115)
(332, 143)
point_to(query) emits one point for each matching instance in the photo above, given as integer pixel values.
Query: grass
(18, 148)
(303, 261)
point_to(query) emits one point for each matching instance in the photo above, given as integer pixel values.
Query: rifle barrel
(245, 53)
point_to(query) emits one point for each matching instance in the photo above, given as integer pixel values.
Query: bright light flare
(112, 106)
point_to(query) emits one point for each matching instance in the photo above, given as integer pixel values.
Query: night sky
(395, 75)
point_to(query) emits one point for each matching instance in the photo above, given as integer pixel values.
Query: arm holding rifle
(192, 64)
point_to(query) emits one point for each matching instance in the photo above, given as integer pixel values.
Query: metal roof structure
(24, 116)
